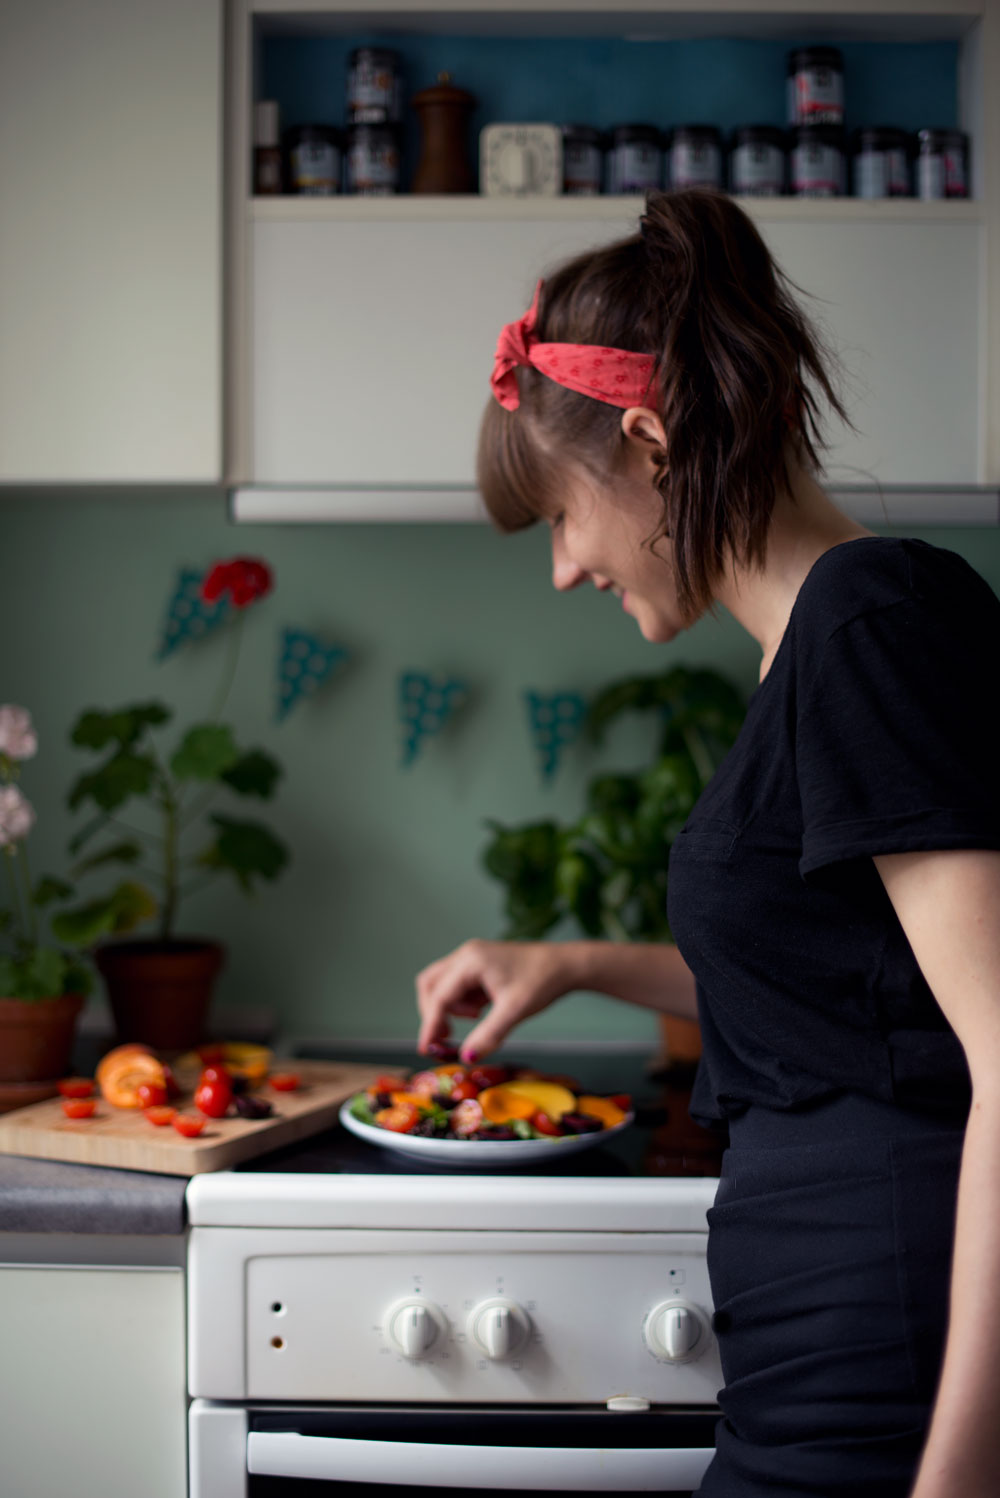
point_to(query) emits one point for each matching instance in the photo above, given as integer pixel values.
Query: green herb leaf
(248, 849)
(361, 1110)
(48, 889)
(122, 776)
(124, 852)
(124, 909)
(93, 730)
(254, 774)
(205, 752)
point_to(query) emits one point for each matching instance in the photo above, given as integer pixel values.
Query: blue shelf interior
(607, 81)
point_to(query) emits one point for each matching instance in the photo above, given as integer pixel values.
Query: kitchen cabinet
(362, 329)
(110, 241)
(93, 1397)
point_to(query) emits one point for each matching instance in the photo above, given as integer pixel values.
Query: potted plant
(607, 871)
(42, 986)
(159, 986)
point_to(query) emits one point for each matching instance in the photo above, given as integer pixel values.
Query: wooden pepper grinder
(444, 112)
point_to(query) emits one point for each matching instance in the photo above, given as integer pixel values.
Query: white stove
(377, 1330)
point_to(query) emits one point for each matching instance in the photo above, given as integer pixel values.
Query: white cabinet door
(110, 240)
(92, 1387)
(372, 342)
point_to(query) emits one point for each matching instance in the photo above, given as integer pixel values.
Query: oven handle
(576, 1469)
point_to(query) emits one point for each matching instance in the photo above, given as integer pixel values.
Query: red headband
(606, 374)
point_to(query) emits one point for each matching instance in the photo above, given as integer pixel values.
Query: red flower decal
(245, 579)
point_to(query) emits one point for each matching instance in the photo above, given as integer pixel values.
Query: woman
(835, 895)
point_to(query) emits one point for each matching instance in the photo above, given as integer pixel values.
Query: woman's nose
(566, 573)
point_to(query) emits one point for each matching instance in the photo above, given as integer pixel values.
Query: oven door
(321, 1451)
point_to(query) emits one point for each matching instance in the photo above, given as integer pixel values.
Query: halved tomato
(400, 1119)
(188, 1125)
(160, 1116)
(284, 1081)
(79, 1107)
(76, 1087)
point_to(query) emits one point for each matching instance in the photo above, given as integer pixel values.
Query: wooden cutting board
(123, 1137)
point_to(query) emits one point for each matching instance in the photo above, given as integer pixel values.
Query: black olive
(581, 1123)
(252, 1107)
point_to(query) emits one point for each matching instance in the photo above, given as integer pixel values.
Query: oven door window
(374, 1453)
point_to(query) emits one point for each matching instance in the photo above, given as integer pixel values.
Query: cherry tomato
(544, 1124)
(285, 1081)
(79, 1107)
(76, 1087)
(151, 1094)
(213, 1094)
(171, 1082)
(463, 1089)
(388, 1084)
(214, 1072)
(160, 1115)
(400, 1119)
(211, 1053)
(488, 1076)
(621, 1100)
(188, 1125)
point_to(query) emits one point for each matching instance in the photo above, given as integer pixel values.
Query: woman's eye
(556, 521)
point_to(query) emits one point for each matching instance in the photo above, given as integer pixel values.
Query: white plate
(477, 1154)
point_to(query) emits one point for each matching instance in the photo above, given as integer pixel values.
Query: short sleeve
(896, 737)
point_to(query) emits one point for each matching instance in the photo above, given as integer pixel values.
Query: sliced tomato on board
(76, 1087)
(285, 1081)
(79, 1107)
(160, 1115)
(188, 1125)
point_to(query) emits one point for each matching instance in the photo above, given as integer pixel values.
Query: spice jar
(583, 161)
(942, 164)
(694, 156)
(757, 161)
(314, 155)
(880, 162)
(635, 159)
(817, 161)
(372, 160)
(816, 86)
(374, 87)
(267, 165)
(444, 112)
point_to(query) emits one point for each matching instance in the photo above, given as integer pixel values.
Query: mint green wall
(385, 874)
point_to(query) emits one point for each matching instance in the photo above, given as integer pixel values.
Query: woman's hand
(510, 980)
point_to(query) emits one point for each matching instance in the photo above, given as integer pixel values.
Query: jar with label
(374, 87)
(314, 156)
(942, 164)
(635, 159)
(817, 161)
(583, 161)
(757, 161)
(880, 162)
(695, 156)
(373, 160)
(816, 86)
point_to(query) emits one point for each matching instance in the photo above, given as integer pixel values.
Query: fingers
(452, 985)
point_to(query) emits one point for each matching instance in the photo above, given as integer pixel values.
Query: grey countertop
(46, 1196)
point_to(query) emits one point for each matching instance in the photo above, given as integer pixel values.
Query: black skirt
(829, 1256)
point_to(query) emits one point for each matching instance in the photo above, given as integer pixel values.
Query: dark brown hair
(738, 366)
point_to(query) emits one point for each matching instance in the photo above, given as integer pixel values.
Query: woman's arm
(948, 904)
(512, 980)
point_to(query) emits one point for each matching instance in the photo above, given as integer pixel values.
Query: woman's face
(599, 536)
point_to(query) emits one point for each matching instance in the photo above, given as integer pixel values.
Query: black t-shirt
(874, 731)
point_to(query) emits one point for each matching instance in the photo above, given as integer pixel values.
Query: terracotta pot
(36, 1037)
(159, 992)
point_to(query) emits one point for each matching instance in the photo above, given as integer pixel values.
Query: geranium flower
(245, 579)
(18, 739)
(16, 815)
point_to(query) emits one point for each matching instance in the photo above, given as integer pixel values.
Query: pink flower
(16, 815)
(18, 739)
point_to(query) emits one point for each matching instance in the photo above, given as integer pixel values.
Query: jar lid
(301, 135)
(931, 140)
(816, 57)
(759, 135)
(696, 134)
(381, 56)
(586, 133)
(820, 135)
(621, 135)
(879, 138)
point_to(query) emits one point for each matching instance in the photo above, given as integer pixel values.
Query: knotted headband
(613, 375)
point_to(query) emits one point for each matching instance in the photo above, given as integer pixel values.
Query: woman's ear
(644, 431)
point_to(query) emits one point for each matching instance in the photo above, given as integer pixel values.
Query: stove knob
(499, 1328)
(676, 1331)
(414, 1325)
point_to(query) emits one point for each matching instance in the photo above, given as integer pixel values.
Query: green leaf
(9, 978)
(121, 911)
(93, 730)
(205, 751)
(254, 774)
(6, 920)
(48, 889)
(247, 849)
(124, 852)
(122, 776)
(361, 1110)
(87, 831)
(46, 969)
